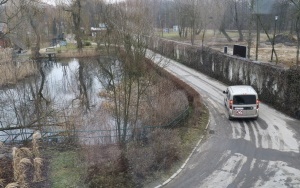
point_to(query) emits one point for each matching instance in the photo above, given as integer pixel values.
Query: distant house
(95, 30)
(175, 28)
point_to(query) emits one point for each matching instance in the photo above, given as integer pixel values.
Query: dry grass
(22, 162)
(75, 54)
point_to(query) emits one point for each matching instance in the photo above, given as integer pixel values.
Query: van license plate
(239, 112)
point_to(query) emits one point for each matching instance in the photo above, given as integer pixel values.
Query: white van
(241, 101)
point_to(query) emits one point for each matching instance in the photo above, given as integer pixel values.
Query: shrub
(87, 43)
(140, 161)
(166, 146)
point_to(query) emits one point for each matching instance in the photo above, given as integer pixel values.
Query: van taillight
(230, 104)
(257, 104)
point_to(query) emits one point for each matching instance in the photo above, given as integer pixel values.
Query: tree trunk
(249, 41)
(241, 37)
(35, 51)
(222, 30)
(193, 32)
(225, 34)
(76, 14)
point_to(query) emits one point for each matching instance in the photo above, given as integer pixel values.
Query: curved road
(238, 153)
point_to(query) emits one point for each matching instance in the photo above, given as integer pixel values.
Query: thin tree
(127, 25)
(225, 8)
(296, 4)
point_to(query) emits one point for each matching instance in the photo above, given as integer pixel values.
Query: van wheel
(230, 118)
(255, 118)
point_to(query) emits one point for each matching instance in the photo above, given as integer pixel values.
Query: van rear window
(244, 99)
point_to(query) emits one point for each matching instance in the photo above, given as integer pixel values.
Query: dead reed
(37, 161)
(12, 72)
(2, 181)
(35, 146)
(22, 161)
(37, 164)
(12, 185)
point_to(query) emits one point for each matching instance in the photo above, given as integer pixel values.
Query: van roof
(242, 90)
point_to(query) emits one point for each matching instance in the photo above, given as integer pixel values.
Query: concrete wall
(275, 85)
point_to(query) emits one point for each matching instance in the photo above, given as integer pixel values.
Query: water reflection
(60, 91)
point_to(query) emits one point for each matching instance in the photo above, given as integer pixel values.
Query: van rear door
(244, 105)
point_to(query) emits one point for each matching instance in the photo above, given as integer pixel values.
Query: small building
(94, 30)
(175, 28)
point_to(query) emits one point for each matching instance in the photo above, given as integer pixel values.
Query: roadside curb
(187, 160)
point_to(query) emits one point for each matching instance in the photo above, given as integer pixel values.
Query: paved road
(239, 153)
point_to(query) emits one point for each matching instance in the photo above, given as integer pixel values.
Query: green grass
(194, 129)
(66, 169)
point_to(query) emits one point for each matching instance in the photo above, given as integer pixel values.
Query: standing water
(63, 96)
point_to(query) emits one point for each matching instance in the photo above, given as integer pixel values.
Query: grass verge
(66, 169)
(194, 129)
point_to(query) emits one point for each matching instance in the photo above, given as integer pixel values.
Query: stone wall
(275, 85)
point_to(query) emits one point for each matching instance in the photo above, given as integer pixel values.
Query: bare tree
(34, 14)
(241, 14)
(127, 24)
(182, 17)
(296, 4)
(75, 7)
(224, 22)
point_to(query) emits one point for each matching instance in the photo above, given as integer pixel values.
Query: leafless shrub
(140, 160)
(166, 147)
(105, 166)
(101, 154)
(164, 103)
